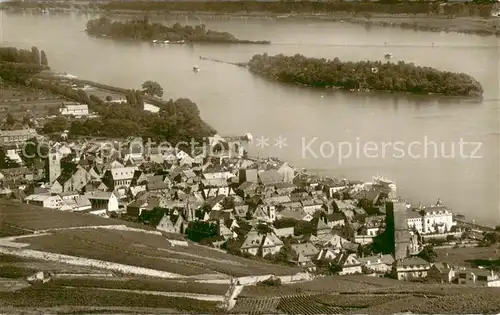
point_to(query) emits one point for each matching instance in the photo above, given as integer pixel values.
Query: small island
(364, 75)
(156, 32)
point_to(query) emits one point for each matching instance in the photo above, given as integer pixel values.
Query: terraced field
(149, 251)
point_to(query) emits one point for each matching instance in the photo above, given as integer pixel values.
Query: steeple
(439, 203)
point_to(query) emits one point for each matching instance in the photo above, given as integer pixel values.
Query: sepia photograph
(257, 157)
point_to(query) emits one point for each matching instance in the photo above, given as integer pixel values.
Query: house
(312, 205)
(257, 244)
(479, 277)
(216, 203)
(336, 241)
(46, 200)
(299, 215)
(410, 268)
(224, 231)
(246, 189)
(306, 252)
(252, 243)
(120, 177)
(441, 273)
(172, 224)
(326, 254)
(101, 200)
(349, 263)
(380, 264)
(269, 178)
(271, 244)
(143, 203)
(73, 178)
(16, 137)
(76, 203)
(336, 219)
(247, 175)
(320, 227)
(77, 110)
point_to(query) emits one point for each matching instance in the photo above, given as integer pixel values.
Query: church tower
(54, 164)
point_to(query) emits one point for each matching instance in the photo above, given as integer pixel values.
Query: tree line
(477, 8)
(144, 30)
(176, 121)
(363, 75)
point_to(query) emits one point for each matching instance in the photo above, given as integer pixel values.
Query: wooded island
(364, 75)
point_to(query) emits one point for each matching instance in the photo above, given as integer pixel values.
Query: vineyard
(368, 295)
(50, 295)
(303, 304)
(145, 285)
(149, 251)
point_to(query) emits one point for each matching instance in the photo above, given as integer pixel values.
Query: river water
(413, 140)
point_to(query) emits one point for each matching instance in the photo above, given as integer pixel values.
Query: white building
(45, 200)
(77, 110)
(101, 200)
(479, 277)
(431, 219)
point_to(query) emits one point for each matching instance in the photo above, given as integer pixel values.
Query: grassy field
(36, 218)
(150, 251)
(463, 256)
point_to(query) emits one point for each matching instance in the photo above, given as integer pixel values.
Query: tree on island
(36, 55)
(43, 58)
(152, 88)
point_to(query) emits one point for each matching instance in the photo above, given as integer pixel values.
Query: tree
(263, 229)
(10, 120)
(228, 203)
(5, 161)
(152, 88)
(43, 58)
(428, 254)
(109, 98)
(33, 150)
(36, 55)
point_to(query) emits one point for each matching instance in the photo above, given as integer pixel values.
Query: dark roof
(157, 186)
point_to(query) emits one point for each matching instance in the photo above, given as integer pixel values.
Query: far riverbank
(430, 22)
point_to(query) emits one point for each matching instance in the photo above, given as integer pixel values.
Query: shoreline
(419, 22)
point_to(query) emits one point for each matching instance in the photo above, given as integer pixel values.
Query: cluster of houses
(320, 219)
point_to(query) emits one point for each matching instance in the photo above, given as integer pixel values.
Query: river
(314, 121)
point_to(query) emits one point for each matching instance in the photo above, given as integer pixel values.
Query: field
(149, 251)
(35, 218)
(50, 295)
(463, 256)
